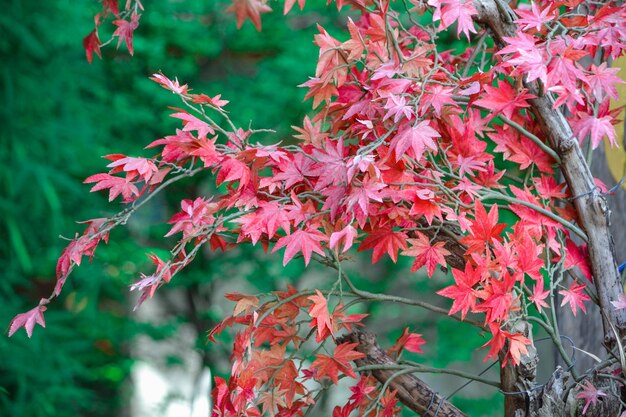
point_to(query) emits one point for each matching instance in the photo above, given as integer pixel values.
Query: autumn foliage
(411, 151)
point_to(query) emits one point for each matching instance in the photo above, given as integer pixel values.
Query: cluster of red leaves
(403, 145)
(126, 21)
(271, 374)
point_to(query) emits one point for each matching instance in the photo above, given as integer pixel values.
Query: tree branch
(410, 390)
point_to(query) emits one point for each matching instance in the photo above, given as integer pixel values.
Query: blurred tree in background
(59, 113)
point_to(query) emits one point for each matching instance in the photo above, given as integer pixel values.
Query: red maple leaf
(517, 347)
(249, 9)
(321, 318)
(463, 292)
(504, 99)
(426, 253)
(498, 298)
(305, 241)
(410, 341)
(339, 362)
(484, 229)
(125, 30)
(384, 240)
(231, 169)
(92, 43)
(577, 256)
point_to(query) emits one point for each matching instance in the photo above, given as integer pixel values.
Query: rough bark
(410, 390)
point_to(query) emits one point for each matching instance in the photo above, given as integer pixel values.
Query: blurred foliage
(60, 114)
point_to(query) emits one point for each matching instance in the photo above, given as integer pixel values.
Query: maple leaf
(125, 30)
(485, 228)
(117, 186)
(539, 295)
(340, 320)
(384, 240)
(596, 127)
(437, 96)
(426, 253)
(574, 296)
(534, 18)
(517, 347)
(245, 303)
(289, 4)
(267, 219)
(272, 400)
(215, 101)
(577, 256)
(354, 45)
(410, 341)
(292, 171)
(231, 169)
(339, 362)
(321, 318)
(347, 235)
(460, 11)
(498, 298)
(602, 81)
(191, 123)
(590, 394)
(92, 43)
(173, 86)
(143, 167)
(463, 292)
(249, 9)
(331, 167)
(504, 99)
(29, 319)
(418, 138)
(305, 241)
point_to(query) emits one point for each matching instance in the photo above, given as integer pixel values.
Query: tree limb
(410, 390)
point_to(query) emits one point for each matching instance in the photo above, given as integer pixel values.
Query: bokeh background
(59, 115)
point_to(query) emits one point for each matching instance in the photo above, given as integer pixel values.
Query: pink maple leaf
(347, 235)
(29, 319)
(574, 296)
(461, 12)
(305, 241)
(191, 123)
(116, 186)
(596, 127)
(534, 18)
(602, 81)
(418, 138)
(590, 394)
(173, 86)
(125, 30)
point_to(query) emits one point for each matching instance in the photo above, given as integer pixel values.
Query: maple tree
(411, 152)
